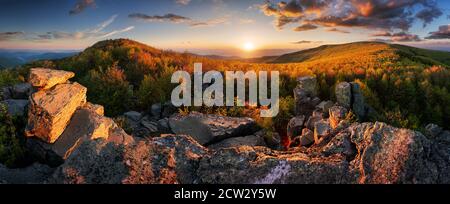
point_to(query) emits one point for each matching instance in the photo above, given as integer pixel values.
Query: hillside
(408, 87)
(364, 50)
(11, 58)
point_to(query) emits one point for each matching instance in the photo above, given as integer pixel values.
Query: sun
(248, 46)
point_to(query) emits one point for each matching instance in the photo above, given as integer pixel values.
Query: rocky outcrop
(163, 160)
(51, 110)
(305, 95)
(349, 95)
(34, 174)
(42, 78)
(208, 129)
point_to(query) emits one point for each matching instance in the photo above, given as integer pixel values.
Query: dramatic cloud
(380, 14)
(337, 30)
(173, 18)
(81, 5)
(442, 33)
(305, 27)
(397, 37)
(6, 36)
(168, 17)
(183, 2)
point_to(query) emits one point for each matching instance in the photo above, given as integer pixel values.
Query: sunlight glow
(248, 46)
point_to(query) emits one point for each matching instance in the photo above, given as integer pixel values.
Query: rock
(100, 110)
(21, 91)
(156, 110)
(34, 174)
(358, 106)
(259, 165)
(433, 130)
(50, 110)
(207, 129)
(307, 137)
(312, 121)
(169, 159)
(133, 116)
(272, 139)
(322, 129)
(163, 126)
(308, 84)
(295, 126)
(42, 78)
(325, 106)
(168, 110)
(251, 140)
(337, 114)
(340, 144)
(85, 125)
(344, 94)
(390, 155)
(16, 107)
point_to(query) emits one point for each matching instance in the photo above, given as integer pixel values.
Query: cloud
(337, 30)
(246, 21)
(397, 37)
(380, 14)
(306, 42)
(442, 33)
(6, 36)
(81, 5)
(117, 32)
(173, 18)
(183, 2)
(305, 27)
(168, 17)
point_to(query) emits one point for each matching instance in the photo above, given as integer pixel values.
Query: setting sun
(248, 46)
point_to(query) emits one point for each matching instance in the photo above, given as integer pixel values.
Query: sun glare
(248, 46)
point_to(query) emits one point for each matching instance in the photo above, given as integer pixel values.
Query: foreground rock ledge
(42, 78)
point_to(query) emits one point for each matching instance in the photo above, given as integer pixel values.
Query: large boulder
(305, 95)
(167, 159)
(308, 84)
(295, 126)
(343, 93)
(50, 110)
(34, 174)
(85, 125)
(16, 107)
(207, 129)
(42, 78)
(358, 104)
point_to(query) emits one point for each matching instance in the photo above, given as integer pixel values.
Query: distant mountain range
(13, 58)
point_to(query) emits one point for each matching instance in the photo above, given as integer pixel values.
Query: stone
(33, 174)
(21, 91)
(85, 125)
(433, 130)
(169, 159)
(163, 126)
(168, 110)
(340, 144)
(337, 114)
(322, 129)
(50, 110)
(325, 106)
(307, 137)
(16, 107)
(99, 109)
(133, 116)
(308, 84)
(358, 106)
(272, 139)
(42, 78)
(344, 94)
(5, 93)
(251, 140)
(156, 110)
(295, 126)
(312, 121)
(207, 129)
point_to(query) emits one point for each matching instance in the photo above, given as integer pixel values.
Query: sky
(245, 28)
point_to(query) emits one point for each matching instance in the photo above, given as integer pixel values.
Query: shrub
(11, 149)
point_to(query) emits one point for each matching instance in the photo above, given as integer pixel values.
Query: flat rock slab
(51, 110)
(47, 78)
(207, 129)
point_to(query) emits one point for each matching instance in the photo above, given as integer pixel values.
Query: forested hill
(408, 87)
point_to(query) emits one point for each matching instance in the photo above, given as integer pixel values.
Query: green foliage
(11, 148)
(155, 89)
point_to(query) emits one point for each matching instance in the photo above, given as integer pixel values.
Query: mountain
(13, 58)
(363, 50)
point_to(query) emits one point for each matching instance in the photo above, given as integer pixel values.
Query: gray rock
(322, 129)
(133, 116)
(433, 130)
(168, 110)
(325, 106)
(251, 140)
(337, 114)
(308, 84)
(34, 174)
(358, 106)
(340, 144)
(156, 110)
(16, 107)
(5, 93)
(169, 159)
(21, 91)
(272, 139)
(207, 129)
(310, 124)
(344, 94)
(295, 126)
(307, 137)
(305, 96)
